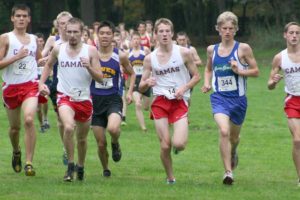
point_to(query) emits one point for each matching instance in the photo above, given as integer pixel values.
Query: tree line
(196, 17)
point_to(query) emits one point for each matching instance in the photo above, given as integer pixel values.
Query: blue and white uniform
(229, 88)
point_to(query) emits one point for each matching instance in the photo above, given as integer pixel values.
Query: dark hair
(40, 35)
(20, 7)
(149, 22)
(135, 33)
(140, 22)
(75, 20)
(181, 33)
(108, 24)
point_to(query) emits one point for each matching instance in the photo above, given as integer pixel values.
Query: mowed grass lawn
(265, 170)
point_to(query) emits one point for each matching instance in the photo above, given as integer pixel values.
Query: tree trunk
(87, 11)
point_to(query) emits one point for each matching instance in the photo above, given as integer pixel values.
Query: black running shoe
(106, 173)
(80, 173)
(116, 152)
(69, 173)
(228, 178)
(16, 162)
(29, 171)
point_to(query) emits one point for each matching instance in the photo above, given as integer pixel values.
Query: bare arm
(275, 77)
(48, 46)
(146, 80)
(248, 57)
(147, 50)
(196, 57)
(193, 70)
(208, 70)
(43, 89)
(92, 64)
(128, 70)
(4, 42)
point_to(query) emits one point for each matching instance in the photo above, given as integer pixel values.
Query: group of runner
(86, 88)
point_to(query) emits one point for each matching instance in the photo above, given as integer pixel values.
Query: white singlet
(74, 80)
(22, 70)
(170, 76)
(291, 72)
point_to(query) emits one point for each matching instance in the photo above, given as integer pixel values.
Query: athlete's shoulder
(4, 38)
(244, 46)
(210, 48)
(277, 58)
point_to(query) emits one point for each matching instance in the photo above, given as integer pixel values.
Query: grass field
(265, 170)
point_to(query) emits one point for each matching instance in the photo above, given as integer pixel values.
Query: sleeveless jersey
(22, 70)
(145, 41)
(291, 72)
(111, 83)
(170, 76)
(137, 62)
(74, 80)
(224, 80)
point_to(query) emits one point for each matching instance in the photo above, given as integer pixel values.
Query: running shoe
(16, 162)
(69, 175)
(228, 178)
(106, 173)
(80, 173)
(42, 129)
(116, 152)
(123, 123)
(46, 124)
(171, 181)
(29, 171)
(175, 151)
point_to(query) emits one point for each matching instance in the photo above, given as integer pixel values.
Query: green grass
(265, 171)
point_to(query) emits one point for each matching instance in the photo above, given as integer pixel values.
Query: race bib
(107, 83)
(79, 94)
(292, 83)
(227, 83)
(22, 67)
(170, 93)
(138, 70)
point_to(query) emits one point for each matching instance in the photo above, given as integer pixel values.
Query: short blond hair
(163, 21)
(63, 14)
(225, 17)
(287, 26)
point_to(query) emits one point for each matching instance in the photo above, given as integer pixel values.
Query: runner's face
(149, 28)
(164, 34)
(292, 35)
(20, 19)
(136, 41)
(85, 36)
(181, 40)
(142, 29)
(105, 36)
(41, 43)
(74, 34)
(62, 23)
(227, 31)
(117, 39)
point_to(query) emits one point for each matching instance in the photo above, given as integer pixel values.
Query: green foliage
(262, 38)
